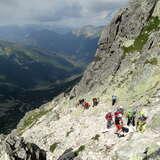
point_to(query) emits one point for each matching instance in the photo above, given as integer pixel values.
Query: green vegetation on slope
(32, 118)
(152, 61)
(69, 132)
(80, 149)
(152, 25)
(22, 54)
(96, 137)
(35, 66)
(53, 147)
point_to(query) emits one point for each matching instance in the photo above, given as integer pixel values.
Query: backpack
(81, 101)
(125, 129)
(143, 118)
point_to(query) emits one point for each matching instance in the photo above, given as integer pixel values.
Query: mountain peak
(88, 31)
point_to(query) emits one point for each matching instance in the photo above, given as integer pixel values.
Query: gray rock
(110, 59)
(68, 155)
(17, 149)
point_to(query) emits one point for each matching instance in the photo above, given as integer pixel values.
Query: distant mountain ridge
(80, 44)
(88, 31)
(29, 77)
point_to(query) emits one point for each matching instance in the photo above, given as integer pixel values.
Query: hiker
(86, 105)
(131, 116)
(119, 124)
(95, 102)
(109, 119)
(141, 122)
(81, 101)
(121, 110)
(114, 100)
(117, 112)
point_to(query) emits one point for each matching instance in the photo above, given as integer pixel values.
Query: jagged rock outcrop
(15, 148)
(126, 50)
(69, 154)
(127, 64)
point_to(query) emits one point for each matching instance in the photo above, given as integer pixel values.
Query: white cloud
(62, 12)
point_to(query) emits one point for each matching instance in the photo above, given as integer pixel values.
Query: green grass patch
(152, 61)
(53, 147)
(96, 137)
(30, 120)
(80, 149)
(152, 25)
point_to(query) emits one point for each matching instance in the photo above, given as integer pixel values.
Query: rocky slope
(127, 58)
(127, 64)
(16, 149)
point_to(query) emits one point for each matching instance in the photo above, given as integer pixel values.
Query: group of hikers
(86, 104)
(136, 119)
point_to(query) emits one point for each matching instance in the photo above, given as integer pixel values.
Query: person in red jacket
(109, 118)
(119, 124)
(117, 113)
(86, 105)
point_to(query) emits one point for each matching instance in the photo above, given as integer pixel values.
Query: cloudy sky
(58, 12)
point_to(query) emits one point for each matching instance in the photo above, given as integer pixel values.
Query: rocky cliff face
(15, 148)
(127, 63)
(127, 58)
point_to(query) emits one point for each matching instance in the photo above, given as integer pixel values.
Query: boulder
(15, 148)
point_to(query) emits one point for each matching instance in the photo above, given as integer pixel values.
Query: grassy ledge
(152, 61)
(152, 25)
(80, 149)
(32, 118)
(53, 147)
(69, 132)
(96, 137)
